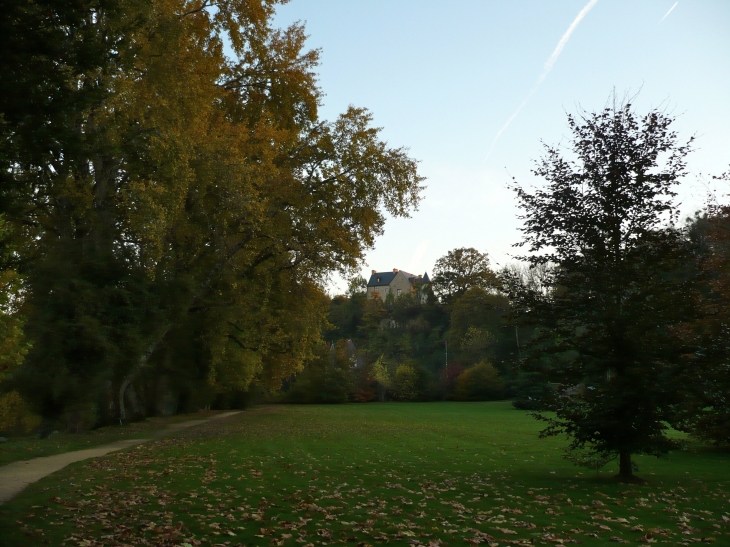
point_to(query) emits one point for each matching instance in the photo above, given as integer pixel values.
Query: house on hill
(395, 283)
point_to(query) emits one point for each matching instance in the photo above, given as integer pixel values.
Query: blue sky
(442, 78)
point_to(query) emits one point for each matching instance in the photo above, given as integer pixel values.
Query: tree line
(612, 329)
(447, 339)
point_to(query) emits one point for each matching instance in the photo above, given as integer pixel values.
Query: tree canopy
(176, 211)
(459, 270)
(706, 412)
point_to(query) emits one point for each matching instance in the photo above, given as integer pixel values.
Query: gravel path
(16, 476)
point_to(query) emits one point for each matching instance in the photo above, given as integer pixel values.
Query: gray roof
(383, 279)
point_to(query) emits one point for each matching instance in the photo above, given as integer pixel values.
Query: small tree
(475, 344)
(405, 383)
(382, 377)
(611, 298)
(481, 382)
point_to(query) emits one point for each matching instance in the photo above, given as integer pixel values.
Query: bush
(321, 386)
(15, 415)
(481, 382)
(365, 388)
(79, 418)
(528, 403)
(405, 383)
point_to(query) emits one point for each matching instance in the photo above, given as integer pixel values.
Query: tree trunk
(142, 362)
(138, 367)
(625, 470)
(122, 391)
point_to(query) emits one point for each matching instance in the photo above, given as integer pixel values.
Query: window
(398, 292)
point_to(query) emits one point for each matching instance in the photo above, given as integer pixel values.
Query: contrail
(564, 40)
(546, 68)
(665, 15)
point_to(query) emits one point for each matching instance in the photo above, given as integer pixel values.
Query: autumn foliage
(174, 202)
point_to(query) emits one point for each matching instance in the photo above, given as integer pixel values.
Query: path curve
(16, 476)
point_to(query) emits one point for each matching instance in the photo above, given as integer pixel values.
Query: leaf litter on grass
(258, 483)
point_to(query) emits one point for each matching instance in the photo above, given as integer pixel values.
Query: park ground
(370, 474)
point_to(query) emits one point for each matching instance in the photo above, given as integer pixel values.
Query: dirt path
(16, 476)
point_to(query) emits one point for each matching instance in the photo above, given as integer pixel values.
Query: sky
(473, 88)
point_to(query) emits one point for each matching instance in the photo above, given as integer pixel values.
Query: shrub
(80, 417)
(15, 415)
(323, 385)
(405, 383)
(481, 382)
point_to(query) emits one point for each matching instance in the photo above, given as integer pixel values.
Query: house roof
(383, 279)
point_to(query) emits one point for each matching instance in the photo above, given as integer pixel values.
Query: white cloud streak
(665, 15)
(547, 68)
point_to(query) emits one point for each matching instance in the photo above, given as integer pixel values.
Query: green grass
(27, 447)
(419, 474)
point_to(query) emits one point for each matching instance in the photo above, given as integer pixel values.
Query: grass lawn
(25, 448)
(370, 474)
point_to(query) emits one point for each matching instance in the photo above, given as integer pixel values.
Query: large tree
(176, 209)
(459, 270)
(603, 220)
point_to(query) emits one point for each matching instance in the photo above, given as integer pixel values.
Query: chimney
(375, 271)
(395, 270)
(420, 276)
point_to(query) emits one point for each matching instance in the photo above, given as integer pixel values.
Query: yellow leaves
(234, 367)
(15, 415)
(380, 373)
(13, 345)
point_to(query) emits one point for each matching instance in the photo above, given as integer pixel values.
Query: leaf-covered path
(15, 477)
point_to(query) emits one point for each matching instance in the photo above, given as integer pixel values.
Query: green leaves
(604, 225)
(459, 270)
